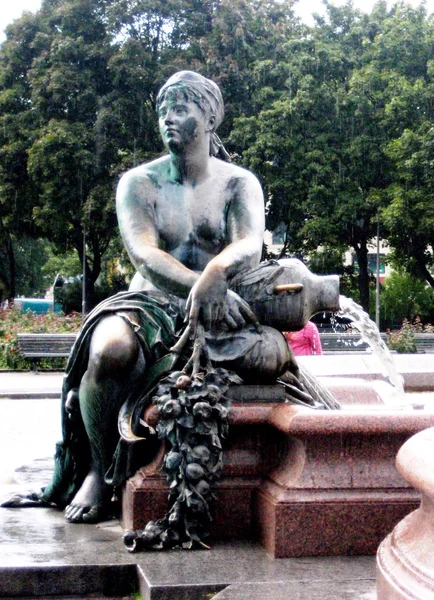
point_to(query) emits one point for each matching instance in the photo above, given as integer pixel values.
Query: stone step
(300, 590)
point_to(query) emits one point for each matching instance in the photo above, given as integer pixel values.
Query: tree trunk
(9, 272)
(363, 279)
(12, 272)
(423, 270)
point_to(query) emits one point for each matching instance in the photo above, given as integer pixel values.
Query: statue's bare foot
(90, 504)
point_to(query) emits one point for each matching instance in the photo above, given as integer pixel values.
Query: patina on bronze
(192, 223)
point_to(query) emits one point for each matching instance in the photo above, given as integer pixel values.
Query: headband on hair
(206, 91)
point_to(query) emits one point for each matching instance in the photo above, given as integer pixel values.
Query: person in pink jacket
(304, 342)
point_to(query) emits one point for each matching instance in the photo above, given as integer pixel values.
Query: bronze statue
(193, 225)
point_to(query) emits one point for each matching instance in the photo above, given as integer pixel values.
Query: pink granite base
(350, 390)
(303, 482)
(327, 523)
(345, 492)
(250, 454)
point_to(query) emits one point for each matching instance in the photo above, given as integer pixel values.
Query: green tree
(18, 123)
(405, 297)
(326, 148)
(406, 204)
(409, 211)
(66, 264)
(31, 255)
(335, 119)
(78, 86)
(72, 160)
(316, 147)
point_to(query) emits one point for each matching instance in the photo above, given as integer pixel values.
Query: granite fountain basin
(309, 482)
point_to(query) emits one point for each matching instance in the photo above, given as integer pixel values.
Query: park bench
(352, 342)
(57, 345)
(45, 345)
(425, 342)
(344, 342)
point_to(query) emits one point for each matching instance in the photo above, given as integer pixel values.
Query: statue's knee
(114, 349)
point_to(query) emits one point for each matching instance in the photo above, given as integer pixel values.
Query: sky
(13, 9)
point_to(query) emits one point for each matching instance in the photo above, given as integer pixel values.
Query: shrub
(14, 321)
(403, 341)
(404, 297)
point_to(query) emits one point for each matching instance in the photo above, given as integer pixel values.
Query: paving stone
(301, 590)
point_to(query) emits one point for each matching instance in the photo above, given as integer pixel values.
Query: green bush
(403, 341)
(402, 296)
(14, 321)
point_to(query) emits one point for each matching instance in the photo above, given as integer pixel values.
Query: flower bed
(14, 321)
(403, 341)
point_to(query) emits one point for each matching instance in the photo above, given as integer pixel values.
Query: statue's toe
(83, 514)
(94, 515)
(74, 513)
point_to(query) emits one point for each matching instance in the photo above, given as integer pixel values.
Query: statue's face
(181, 121)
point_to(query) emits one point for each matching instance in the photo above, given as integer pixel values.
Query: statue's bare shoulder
(234, 175)
(138, 185)
(244, 199)
(143, 184)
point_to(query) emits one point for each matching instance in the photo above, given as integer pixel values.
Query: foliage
(70, 295)
(403, 296)
(65, 264)
(403, 341)
(78, 82)
(335, 119)
(329, 260)
(409, 210)
(14, 321)
(22, 258)
(52, 74)
(322, 146)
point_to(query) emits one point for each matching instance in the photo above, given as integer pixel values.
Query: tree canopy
(335, 119)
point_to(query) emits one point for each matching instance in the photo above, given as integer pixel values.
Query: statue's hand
(215, 305)
(238, 313)
(232, 313)
(207, 300)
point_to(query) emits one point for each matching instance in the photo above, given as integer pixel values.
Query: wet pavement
(28, 430)
(42, 555)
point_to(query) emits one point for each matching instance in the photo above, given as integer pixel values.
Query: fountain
(370, 334)
(304, 482)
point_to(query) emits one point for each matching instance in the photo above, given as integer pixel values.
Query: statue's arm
(135, 207)
(210, 297)
(245, 223)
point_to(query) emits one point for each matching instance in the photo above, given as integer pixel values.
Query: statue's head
(205, 94)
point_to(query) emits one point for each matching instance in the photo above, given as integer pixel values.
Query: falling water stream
(371, 335)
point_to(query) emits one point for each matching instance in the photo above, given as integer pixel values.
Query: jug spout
(284, 294)
(324, 294)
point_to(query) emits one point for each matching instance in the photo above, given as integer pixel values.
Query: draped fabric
(159, 319)
(161, 322)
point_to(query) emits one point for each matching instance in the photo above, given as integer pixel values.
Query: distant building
(275, 240)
